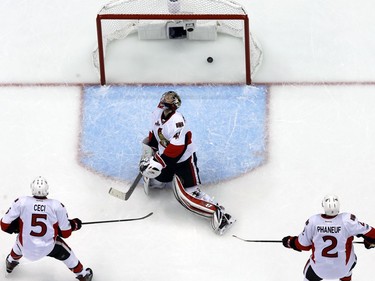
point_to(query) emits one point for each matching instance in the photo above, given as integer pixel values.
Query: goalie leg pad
(149, 183)
(192, 202)
(199, 194)
(146, 185)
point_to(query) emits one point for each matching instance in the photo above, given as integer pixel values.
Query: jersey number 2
(38, 220)
(326, 250)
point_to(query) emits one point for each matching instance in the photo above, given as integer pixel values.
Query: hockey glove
(143, 164)
(75, 224)
(290, 242)
(152, 169)
(14, 227)
(369, 245)
(368, 242)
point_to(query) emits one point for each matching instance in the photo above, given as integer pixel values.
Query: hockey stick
(133, 219)
(125, 195)
(261, 241)
(274, 241)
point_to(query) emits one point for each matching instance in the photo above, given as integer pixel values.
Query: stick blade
(257, 241)
(125, 195)
(235, 236)
(117, 193)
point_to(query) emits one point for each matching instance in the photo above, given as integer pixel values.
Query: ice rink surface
(318, 65)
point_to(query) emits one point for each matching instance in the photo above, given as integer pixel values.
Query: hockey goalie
(169, 161)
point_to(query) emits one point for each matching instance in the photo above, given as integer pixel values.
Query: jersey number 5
(38, 220)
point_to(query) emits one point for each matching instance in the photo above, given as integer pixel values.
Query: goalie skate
(221, 221)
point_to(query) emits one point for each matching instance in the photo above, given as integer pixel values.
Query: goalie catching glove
(151, 167)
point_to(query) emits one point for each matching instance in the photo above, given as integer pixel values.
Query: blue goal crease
(228, 125)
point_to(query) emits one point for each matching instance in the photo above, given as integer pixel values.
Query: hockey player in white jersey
(41, 225)
(330, 237)
(169, 160)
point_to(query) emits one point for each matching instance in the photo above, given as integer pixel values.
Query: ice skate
(87, 277)
(10, 265)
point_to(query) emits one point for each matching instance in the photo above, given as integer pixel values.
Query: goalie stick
(125, 195)
(273, 241)
(121, 220)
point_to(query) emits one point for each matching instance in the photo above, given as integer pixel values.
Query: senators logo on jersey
(163, 141)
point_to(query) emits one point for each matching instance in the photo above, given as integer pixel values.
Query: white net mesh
(115, 29)
(167, 7)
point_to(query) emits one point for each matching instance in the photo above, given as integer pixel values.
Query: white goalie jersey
(174, 133)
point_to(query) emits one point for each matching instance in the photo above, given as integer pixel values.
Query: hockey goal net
(190, 28)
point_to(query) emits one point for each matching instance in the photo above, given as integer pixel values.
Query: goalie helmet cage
(118, 19)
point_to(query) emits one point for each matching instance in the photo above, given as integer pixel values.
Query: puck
(210, 59)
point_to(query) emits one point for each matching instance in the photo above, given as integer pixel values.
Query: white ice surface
(321, 139)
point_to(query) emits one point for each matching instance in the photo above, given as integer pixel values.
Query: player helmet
(331, 205)
(39, 187)
(170, 100)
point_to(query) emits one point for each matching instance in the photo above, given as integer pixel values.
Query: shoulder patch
(352, 217)
(307, 222)
(179, 124)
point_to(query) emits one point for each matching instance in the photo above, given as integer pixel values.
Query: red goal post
(124, 21)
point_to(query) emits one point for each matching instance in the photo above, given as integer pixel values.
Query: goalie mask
(170, 100)
(331, 205)
(39, 187)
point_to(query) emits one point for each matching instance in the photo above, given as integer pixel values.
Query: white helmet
(39, 187)
(331, 205)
